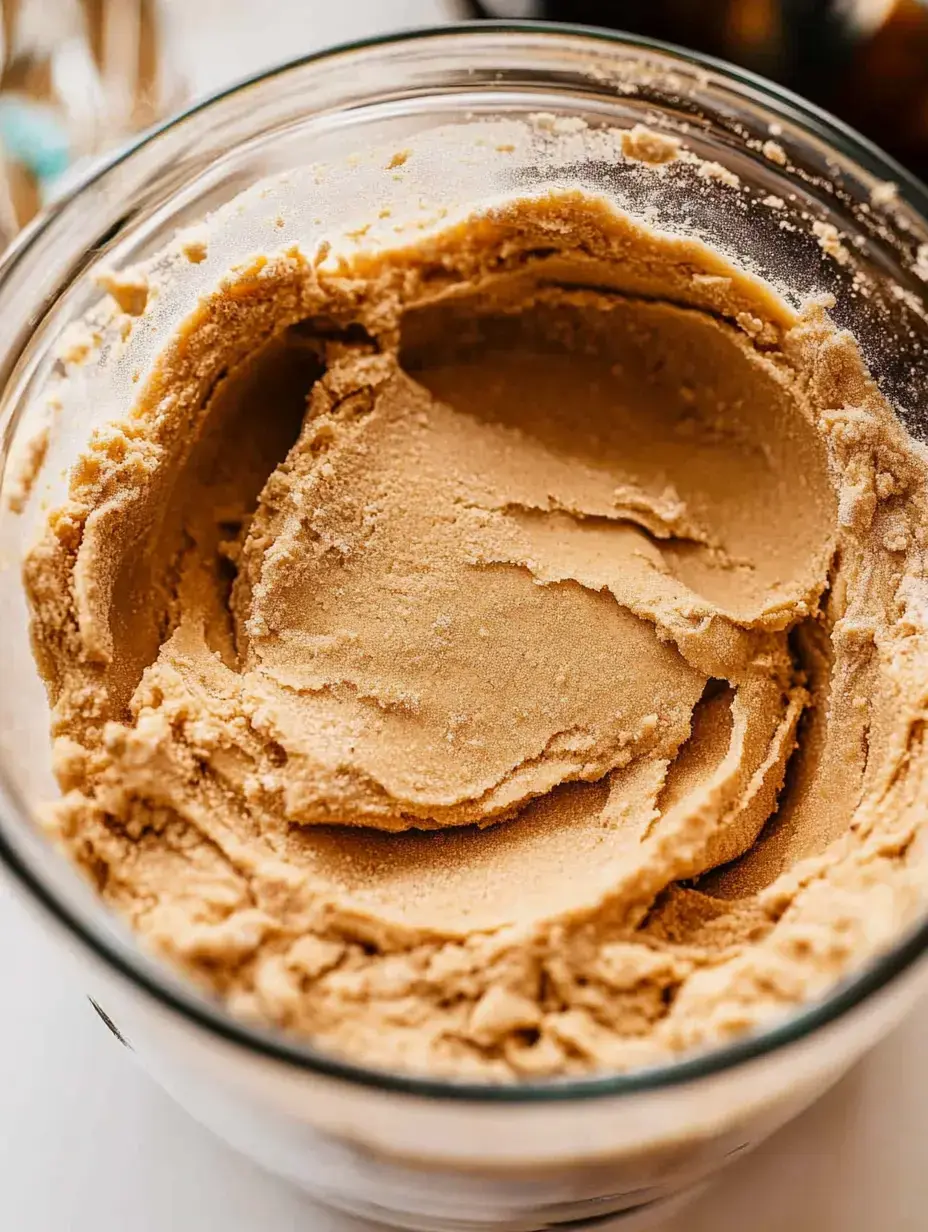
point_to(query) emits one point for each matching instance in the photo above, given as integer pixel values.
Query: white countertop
(89, 1144)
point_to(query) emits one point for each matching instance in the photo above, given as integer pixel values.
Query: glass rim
(180, 996)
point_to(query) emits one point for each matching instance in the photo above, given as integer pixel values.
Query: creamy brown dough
(502, 655)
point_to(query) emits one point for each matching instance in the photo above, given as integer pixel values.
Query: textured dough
(503, 655)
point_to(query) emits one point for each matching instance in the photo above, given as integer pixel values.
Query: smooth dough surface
(503, 655)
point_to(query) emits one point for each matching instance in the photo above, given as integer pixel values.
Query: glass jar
(413, 1151)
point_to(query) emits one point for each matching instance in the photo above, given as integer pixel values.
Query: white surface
(89, 1144)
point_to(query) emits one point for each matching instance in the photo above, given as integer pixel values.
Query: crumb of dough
(885, 193)
(548, 124)
(28, 472)
(830, 241)
(715, 171)
(921, 262)
(129, 288)
(194, 244)
(645, 145)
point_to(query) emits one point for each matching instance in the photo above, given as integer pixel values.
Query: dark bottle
(864, 60)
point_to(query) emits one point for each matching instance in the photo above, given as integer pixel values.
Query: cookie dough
(499, 655)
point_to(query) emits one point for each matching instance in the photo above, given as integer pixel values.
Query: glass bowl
(400, 1149)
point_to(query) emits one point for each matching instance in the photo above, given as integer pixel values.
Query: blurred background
(78, 77)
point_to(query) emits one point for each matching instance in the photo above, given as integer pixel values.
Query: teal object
(32, 135)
